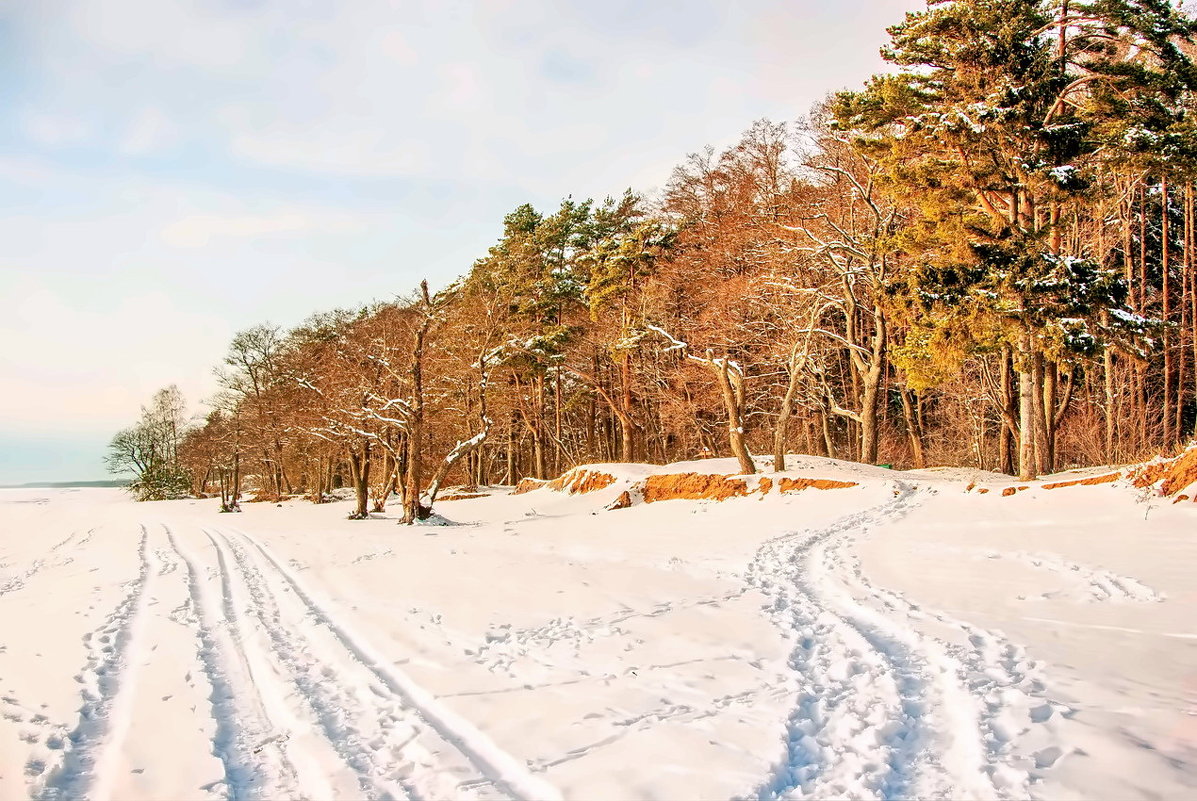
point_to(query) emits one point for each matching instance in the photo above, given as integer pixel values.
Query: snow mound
(619, 485)
(630, 484)
(1169, 476)
(1104, 478)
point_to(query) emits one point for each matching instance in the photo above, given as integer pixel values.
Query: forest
(983, 257)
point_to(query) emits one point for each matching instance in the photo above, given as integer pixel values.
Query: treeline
(983, 258)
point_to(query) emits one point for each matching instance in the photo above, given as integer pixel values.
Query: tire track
(508, 774)
(1004, 686)
(941, 754)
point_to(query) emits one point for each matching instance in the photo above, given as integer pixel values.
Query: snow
(902, 638)
(1130, 317)
(1063, 174)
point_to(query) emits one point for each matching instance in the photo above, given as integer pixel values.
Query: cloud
(150, 131)
(527, 94)
(199, 230)
(60, 374)
(180, 170)
(334, 150)
(462, 87)
(379, 88)
(55, 130)
(219, 37)
(27, 171)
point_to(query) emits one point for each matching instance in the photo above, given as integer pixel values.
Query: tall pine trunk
(914, 431)
(1166, 313)
(1026, 411)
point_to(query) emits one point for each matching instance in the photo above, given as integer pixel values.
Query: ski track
(245, 705)
(883, 710)
(281, 669)
(504, 646)
(1094, 584)
(116, 649)
(429, 719)
(18, 582)
(340, 712)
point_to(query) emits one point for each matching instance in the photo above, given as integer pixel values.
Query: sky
(174, 171)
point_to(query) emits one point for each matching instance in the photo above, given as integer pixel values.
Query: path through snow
(158, 651)
(301, 706)
(885, 710)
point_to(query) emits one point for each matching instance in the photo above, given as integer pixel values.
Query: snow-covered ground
(901, 638)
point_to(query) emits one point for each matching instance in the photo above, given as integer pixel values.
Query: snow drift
(647, 484)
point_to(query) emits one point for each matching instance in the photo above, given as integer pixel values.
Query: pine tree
(1002, 113)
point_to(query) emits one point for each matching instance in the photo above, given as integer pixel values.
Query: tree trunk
(627, 430)
(1191, 272)
(871, 379)
(380, 497)
(1191, 283)
(913, 430)
(1140, 374)
(411, 482)
(1039, 430)
(783, 420)
(224, 490)
(412, 510)
(1111, 418)
(359, 471)
(511, 426)
(538, 454)
(828, 439)
(235, 503)
(558, 449)
(1166, 298)
(1050, 386)
(868, 413)
(1026, 413)
(731, 383)
(442, 470)
(1007, 434)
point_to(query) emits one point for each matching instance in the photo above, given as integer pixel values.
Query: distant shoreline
(67, 484)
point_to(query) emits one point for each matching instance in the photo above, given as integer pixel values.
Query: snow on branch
(464, 446)
(459, 450)
(676, 344)
(306, 384)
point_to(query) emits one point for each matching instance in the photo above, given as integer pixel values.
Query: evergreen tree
(995, 125)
